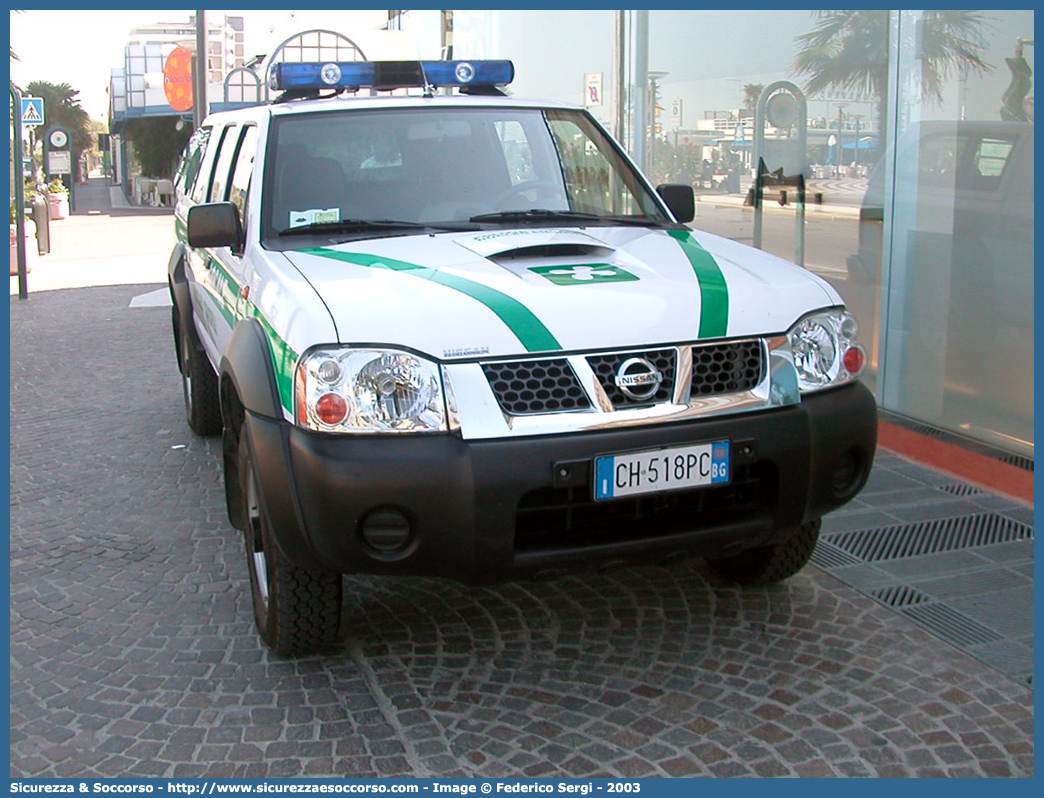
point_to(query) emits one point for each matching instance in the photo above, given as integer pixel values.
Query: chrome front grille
(544, 386)
(606, 367)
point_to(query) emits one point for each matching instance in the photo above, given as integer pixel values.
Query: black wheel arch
(247, 385)
(180, 296)
(249, 372)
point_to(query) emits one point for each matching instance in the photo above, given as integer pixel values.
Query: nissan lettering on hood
(447, 332)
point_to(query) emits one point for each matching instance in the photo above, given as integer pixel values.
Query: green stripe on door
(714, 294)
(535, 337)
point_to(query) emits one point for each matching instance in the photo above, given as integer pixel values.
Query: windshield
(450, 167)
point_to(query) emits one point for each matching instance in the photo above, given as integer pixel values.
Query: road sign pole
(19, 190)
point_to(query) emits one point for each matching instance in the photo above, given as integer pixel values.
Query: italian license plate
(657, 470)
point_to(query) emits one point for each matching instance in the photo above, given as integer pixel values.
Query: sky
(52, 45)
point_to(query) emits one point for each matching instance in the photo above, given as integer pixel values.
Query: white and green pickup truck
(453, 333)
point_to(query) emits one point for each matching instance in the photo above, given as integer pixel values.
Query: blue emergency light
(387, 75)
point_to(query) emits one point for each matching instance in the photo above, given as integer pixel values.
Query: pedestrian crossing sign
(32, 111)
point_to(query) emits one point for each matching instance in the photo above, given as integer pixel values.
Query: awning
(863, 144)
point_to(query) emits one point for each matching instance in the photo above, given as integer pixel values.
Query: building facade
(913, 131)
(138, 88)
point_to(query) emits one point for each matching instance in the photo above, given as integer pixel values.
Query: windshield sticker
(314, 216)
(584, 275)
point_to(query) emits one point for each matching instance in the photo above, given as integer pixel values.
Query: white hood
(518, 291)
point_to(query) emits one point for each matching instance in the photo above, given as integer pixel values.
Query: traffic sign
(32, 111)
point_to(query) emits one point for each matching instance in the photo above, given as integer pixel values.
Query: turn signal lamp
(387, 75)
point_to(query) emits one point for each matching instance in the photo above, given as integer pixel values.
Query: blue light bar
(386, 75)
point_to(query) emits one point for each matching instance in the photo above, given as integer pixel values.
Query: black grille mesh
(726, 368)
(606, 366)
(536, 386)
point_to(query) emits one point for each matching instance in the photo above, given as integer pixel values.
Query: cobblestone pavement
(133, 651)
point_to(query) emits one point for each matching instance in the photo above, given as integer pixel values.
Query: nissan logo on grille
(638, 379)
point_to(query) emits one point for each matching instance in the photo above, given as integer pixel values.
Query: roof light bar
(385, 75)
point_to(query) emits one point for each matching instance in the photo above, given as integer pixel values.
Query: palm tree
(751, 95)
(848, 51)
(62, 108)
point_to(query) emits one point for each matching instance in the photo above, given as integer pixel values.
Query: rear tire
(297, 611)
(199, 384)
(773, 563)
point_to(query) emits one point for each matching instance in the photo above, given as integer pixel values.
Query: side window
(990, 161)
(191, 160)
(244, 168)
(223, 169)
(201, 189)
(591, 181)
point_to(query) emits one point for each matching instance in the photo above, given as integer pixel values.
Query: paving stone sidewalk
(133, 651)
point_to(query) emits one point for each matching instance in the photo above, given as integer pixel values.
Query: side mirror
(680, 199)
(215, 224)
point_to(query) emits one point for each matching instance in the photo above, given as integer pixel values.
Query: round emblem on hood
(638, 379)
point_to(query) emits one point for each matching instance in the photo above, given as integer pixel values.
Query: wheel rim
(259, 571)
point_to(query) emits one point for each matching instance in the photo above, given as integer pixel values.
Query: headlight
(369, 390)
(825, 349)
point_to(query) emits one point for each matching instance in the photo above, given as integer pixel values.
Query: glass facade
(912, 135)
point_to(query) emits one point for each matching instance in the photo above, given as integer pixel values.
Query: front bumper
(489, 510)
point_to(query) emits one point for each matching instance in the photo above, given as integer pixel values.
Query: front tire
(199, 384)
(297, 611)
(772, 563)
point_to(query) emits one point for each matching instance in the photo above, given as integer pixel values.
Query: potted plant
(57, 199)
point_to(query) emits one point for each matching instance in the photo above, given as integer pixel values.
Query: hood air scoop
(502, 245)
(544, 251)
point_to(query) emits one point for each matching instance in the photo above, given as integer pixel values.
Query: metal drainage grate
(961, 489)
(931, 537)
(827, 556)
(1022, 514)
(925, 429)
(950, 625)
(1025, 463)
(899, 596)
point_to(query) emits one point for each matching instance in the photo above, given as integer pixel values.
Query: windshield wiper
(352, 225)
(542, 215)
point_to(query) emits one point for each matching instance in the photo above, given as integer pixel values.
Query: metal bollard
(42, 217)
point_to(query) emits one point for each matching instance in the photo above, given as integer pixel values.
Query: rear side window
(991, 159)
(191, 160)
(223, 170)
(201, 188)
(244, 168)
(964, 161)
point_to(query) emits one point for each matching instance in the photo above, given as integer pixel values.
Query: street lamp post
(653, 77)
(199, 75)
(17, 156)
(840, 150)
(855, 118)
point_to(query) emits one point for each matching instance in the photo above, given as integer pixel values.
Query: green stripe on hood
(714, 294)
(535, 337)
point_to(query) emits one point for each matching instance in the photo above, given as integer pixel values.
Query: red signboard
(177, 79)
